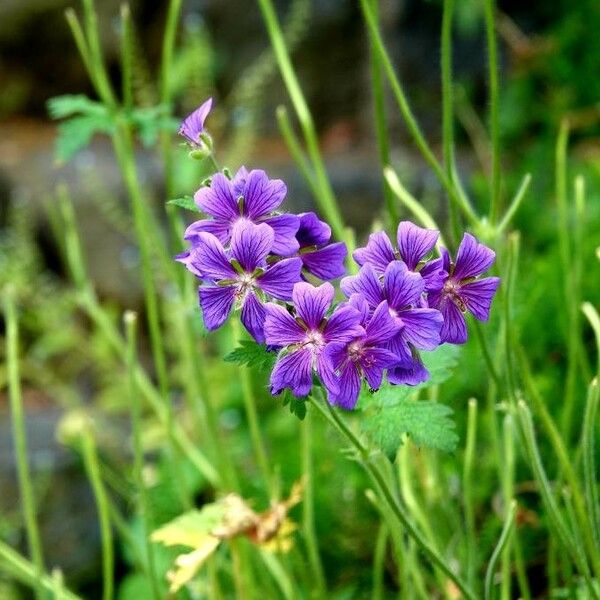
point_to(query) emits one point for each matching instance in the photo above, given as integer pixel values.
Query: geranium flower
(462, 292)
(192, 126)
(241, 276)
(250, 196)
(305, 335)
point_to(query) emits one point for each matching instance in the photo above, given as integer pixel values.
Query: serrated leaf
(150, 121)
(440, 363)
(428, 423)
(253, 355)
(297, 406)
(186, 202)
(60, 107)
(76, 133)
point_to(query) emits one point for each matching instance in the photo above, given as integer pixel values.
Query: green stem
(374, 472)
(379, 562)
(28, 573)
(308, 508)
(409, 118)
(515, 204)
(468, 490)
(508, 485)
(381, 129)
(127, 57)
(448, 108)
(588, 442)
(326, 197)
(490, 32)
(502, 542)
(130, 320)
(258, 443)
(20, 437)
(92, 467)
(562, 533)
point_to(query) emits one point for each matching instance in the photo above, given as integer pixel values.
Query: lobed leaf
(429, 424)
(251, 354)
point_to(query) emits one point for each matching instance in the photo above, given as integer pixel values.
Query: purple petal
(293, 371)
(422, 327)
(280, 328)
(399, 347)
(185, 259)
(239, 181)
(250, 244)
(193, 125)
(219, 199)
(414, 242)
(253, 317)
(478, 296)
(326, 263)
(208, 257)
(472, 258)
(327, 374)
(402, 287)
(312, 231)
(373, 362)
(434, 275)
(220, 229)
(261, 194)
(362, 306)
(378, 252)
(216, 303)
(343, 325)
(279, 279)
(454, 329)
(312, 302)
(413, 374)
(285, 228)
(382, 326)
(348, 387)
(366, 283)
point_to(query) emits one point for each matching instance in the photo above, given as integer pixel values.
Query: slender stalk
(489, 9)
(92, 467)
(487, 355)
(258, 443)
(388, 496)
(418, 137)
(293, 144)
(563, 535)
(20, 438)
(308, 508)
(468, 490)
(448, 107)
(326, 198)
(27, 573)
(381, 129)
(130, 319)
(126, 57)
(508, 485)
(515, 204)
(379, 561)
(588, 442)
(504, 537)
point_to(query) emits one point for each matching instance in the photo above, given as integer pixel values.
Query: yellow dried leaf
(186, 566)
(191, 529)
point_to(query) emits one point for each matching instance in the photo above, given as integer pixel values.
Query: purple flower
(364, 356)
(414, 244)
(241, 276)
(305, 336)
(250, 196)
(403, 290)
(319, 257)
(461, 291)
(193, 125)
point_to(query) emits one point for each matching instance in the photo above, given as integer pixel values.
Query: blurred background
(550, 69)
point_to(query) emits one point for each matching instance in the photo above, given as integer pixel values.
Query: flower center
(314, 340)
(452, 290)
(355, 351)
(245, 284)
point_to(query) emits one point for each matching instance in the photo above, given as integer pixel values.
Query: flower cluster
(250, 256)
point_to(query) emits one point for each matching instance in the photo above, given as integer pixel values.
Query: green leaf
(428, 423)
(186, 202)
(253, 355)
(60, 107)
(191, 528)
(297, 406)
(150, 121)
(440, 363)
(76, 133)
